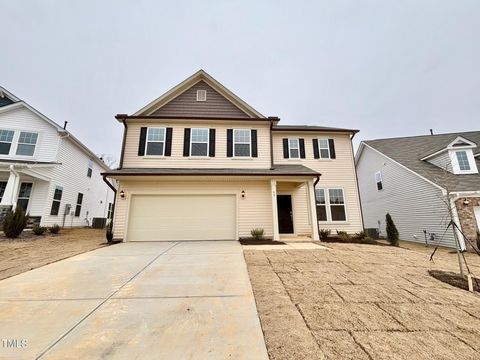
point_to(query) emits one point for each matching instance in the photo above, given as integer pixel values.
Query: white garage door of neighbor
(182, 217)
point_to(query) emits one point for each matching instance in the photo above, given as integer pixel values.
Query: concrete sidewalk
(189, 300)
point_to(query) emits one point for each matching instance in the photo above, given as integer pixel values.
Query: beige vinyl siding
(336, 173)
(177, 160)
(300, 208)
(254, 211)
(186, 104)
(414, 203)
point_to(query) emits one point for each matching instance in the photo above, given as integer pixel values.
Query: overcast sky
(387, 67)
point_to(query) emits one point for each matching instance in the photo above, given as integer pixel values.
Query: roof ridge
(426, 135)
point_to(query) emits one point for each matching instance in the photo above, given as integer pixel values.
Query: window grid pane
(336, 196)
(293, 143)
(156, 134)
(463, 160)
(28, 138)
(242, 136)
(199, 135)
(6, 135)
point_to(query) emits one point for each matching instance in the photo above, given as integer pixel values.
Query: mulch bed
(352, 240)
(455, 279)
(260, 242)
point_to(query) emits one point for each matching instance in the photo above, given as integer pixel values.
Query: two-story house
(46, 171)
(198, 163)
(418, 180)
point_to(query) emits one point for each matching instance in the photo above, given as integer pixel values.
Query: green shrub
(54, 229)
(257, 234)
(109, 232)
(361, 235)
(39, 230)
(343, 235)
(392, 232)
(323, 233)
(14, 223)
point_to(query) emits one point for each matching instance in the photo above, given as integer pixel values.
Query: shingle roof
(290, 170)
(409, 150)
(310, 128)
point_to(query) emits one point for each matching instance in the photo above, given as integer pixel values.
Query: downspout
(315, 196)
(114, 194)
(123, 142)
(271, 144)
(356, 182)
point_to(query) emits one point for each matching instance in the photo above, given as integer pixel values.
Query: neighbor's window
(78, 208)
(155, 141)
(321, 205)
(90, 168)
(26, 143)
(242, 142)
(3, 186)
(462, 159)
(378, 180)
(294, 148)
(24, 196)
(199, 142)
(324, 148)
(110, 211)
(6, 138)
(57, 198)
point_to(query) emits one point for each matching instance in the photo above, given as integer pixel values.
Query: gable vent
(201, 95)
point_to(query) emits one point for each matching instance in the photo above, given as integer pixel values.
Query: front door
(285, 214)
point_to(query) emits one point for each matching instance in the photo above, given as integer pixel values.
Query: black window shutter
(168, 142)
(331, 145)
(229, 142)
(254, 143)
(316, 154)
(186, 142)
(301, 143)
(141, 143)
(211, 145)
(286, 154)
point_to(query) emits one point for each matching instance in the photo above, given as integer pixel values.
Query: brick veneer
(467, 218)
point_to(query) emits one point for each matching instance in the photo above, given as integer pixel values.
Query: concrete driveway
(164, 300)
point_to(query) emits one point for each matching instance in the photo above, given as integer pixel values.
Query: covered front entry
(182, 217)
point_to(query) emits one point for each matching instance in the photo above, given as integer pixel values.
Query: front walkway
(190, 300)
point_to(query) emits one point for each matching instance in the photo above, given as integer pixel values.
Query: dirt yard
(30, 251)
(363, 302)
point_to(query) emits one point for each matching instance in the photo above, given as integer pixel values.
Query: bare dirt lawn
(30, 251)
(363, 302)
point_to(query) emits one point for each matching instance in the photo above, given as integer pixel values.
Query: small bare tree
(109, 160)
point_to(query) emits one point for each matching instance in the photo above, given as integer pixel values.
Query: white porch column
(313, 210)
(11, 189)
(276, 234)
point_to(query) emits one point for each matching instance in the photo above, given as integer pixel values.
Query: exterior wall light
(122, 194)
(243, 194)
(465, 201)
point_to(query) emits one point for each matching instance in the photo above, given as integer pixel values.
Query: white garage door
(181, 217)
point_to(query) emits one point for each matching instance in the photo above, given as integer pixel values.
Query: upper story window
(294, 148)
(462, 159)
(155, 141)
(199, 142)
(378, 180)
(26, 143)
(6, 138)
(242, 145)
(324, 148)
(201, 95)
(90, 168)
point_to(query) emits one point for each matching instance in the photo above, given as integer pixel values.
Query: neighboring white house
(46, 171)
(410, 177)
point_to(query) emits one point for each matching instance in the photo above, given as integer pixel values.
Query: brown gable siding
(186, 104)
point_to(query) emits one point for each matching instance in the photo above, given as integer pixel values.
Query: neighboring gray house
(410, 177)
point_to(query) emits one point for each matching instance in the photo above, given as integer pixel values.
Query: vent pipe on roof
(65, 125)
(431, 131)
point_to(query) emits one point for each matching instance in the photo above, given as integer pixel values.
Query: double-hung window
(199, 142)
(26, 143)
(242, 144)
(294, 148)
(155, 141)
(6, 138)
(462, 160)
(378, 180)
(330, 205)
(324, 148)
(57, 198)
(78, 208)
(24, 195)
